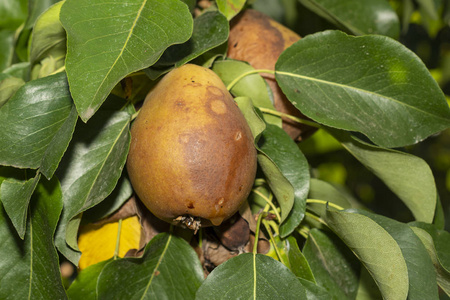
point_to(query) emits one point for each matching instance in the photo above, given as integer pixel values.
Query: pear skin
(192, 156)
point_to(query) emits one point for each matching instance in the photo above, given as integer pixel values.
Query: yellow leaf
(98, 242)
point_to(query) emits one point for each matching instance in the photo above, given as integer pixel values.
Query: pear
(259, 40)
(192, 157)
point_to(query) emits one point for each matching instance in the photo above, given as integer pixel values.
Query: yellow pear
(192, 157)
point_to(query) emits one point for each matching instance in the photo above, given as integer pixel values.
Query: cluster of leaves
(72, 72)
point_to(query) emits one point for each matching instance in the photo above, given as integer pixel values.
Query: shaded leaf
(6, 48)
(334, 267)
(253, 86)
(370, 84)
(408, 176)
(297, 261)
(375, 248)
(314, 292)
(98, 242)
(15, 197)
(37, 123)
(422, 280)
(32, 264)
(210, 30)
(281, 149)
(322, 190)
(169, 269)
(12, 13)
(90, 170)
(35, 9)
(253, 119)
(85, 284)
(49, 37)
(121, 193)
(19, 70)
(251, 276)
(437, 243)
(102, 50)
(230, 8)
(359, 18)
(368, 289)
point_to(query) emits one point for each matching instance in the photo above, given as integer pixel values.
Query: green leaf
(107, 41)
(422, 279)
(85, 284)
(49, 37)
(210, 30)
(230, 8)
(15, 197)
(314, 292)
(359, 18)
(251, 276)
(253, 119)
(6, 48)
(375, 248)
(8, 87)
(297, 261)
(169, 269)
(38, 122)
(370, 84)
(334, 266)
(253, 86)
(437, 243)
(35, 9)
(121, 193)
(30, 267)
(276, 144)
(12, 13)
(322, 190)
(368, 289)
(89, 171)
(19, 70)
(408, 176)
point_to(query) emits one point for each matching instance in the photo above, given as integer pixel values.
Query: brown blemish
(191, 205)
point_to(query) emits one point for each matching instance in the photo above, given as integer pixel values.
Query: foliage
(74, 72)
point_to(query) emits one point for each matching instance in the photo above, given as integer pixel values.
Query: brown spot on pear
(259, 40)
(187, 162)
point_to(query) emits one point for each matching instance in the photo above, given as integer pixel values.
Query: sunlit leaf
(106, 41)
(357, 17)
(169, 269)
(37, 124)
(408, 176)
(230, 8)
(370, 84)
(8, 87)
(252, 86)
(98, 242)
(375, 248)
(334, 266)
(251, 276)
(90, 170)
(30, 267)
